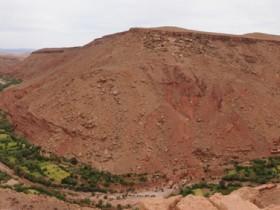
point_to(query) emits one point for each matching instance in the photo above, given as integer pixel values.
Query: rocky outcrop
(12, 200)
(242, 199)
(232, 202)
(195, 202)
(159, 203)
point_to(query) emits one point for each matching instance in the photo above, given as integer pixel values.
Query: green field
(3, 136)
(198, 192)
(31, 191)
(232, 172)
(33, 173)
(53, 171)
(13, 153)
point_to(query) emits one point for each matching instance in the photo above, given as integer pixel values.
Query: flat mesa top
(255, 35)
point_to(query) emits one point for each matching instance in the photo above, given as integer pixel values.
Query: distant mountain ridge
(16, 51)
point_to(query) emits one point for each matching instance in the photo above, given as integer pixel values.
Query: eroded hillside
(151, 100)
(9, 61)
(13, 200)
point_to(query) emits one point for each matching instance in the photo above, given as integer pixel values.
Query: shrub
(74, 161)
(69, 181)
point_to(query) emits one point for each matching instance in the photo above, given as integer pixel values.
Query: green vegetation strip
(6, 81)
(4, 177)
(204, 189)
(259, 171)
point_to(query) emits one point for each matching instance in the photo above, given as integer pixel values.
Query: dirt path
(6, 169)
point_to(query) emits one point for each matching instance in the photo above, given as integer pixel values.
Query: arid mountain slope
(9, 61)
(152, 100)
(14, 200)
(41, 62)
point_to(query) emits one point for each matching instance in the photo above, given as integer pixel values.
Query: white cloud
(54, 23)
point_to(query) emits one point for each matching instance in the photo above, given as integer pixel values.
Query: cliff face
(152, 100)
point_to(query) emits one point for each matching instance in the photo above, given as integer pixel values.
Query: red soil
(9, 61)
(150, 100)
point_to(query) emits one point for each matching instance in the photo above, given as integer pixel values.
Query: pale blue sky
(63, 23)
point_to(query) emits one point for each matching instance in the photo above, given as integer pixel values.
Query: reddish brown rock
(12, 200)
(232, 202)
(242, 199)
(272, 208)
(9, 61)
(249, 194)
(159, 100)
(159, 203)
(195, 203)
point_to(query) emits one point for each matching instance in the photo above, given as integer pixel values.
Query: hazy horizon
(66, 23)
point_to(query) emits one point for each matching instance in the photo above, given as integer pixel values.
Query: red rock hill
(148, 100)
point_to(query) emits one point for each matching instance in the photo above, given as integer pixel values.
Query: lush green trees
(69, 181)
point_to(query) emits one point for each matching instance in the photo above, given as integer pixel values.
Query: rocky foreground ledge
(10, 200)
(266, 197)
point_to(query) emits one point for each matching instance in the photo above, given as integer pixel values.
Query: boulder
(232, 202)
(192, 202)
(248, 194)
(159, 203)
